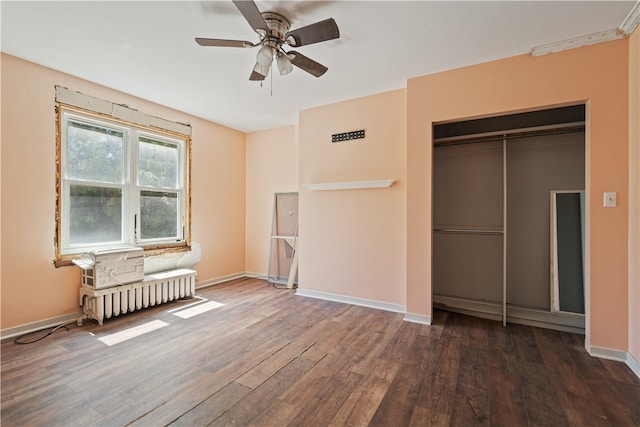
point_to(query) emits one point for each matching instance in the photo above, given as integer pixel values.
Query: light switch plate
(610, 199)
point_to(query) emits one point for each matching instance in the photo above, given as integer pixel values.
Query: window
(119, 183)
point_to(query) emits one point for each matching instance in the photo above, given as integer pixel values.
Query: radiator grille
(155, 289)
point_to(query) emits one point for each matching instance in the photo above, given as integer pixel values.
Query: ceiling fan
(274, 33)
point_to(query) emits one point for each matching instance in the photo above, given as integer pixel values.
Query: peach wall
(597, 75)
(634, 194)
(272, 167)
(0, 188)
(32, 289)
(353, 242)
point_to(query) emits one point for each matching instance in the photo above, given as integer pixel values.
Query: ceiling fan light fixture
(274, 31)
(284, 64)
(265, 56)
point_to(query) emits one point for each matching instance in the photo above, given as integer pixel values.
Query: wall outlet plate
(610, 199)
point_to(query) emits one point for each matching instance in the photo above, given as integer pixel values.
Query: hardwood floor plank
(425, 417)
(439, 384)
(190, 392)
(280, 413)
(539, 394)
(269, 357)
(620, 406)
(630, 397)
(20, 357)
(53, 405)
(380, 332)
(476, 333)
(113, 374)
(506, 404)
(163, 398)
(268, 367)
(471, 399)
(361, 404)
(33, 381)
(250, 410)
(213, 407)
(327, 340)
(328, 400)
(576, 399)
(399, 401)
(524, 344)
(400, 341)
(349, 343)
(620, 372)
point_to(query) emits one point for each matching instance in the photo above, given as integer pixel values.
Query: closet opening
(508, 230)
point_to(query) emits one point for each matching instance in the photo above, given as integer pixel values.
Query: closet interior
(508, 217)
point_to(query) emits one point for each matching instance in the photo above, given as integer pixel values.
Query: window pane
(157, 163)
(94, 153)
(158, 215)
(96, 214)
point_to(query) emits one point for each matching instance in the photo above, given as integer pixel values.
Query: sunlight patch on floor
(129, 333)
(198, 300)
(197, 309)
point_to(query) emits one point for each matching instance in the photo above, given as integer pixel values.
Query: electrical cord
(18, 339)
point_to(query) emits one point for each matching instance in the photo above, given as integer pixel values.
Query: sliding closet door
(468, 221)
(535, 167)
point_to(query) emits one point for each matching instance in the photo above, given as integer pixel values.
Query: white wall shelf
(351, 185)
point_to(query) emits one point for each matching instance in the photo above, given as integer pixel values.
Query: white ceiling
(147, 48)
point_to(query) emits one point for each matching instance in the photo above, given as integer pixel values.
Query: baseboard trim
(254, 275)
(486, 310)
(397, 308)
(221, 279)
(417, 318)
(557, 321)
(608, 353)
(40, 325)
(618, 356)
(633, 364)
(520, 315)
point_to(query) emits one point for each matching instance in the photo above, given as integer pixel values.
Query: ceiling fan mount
(278, 25)
(274, 31)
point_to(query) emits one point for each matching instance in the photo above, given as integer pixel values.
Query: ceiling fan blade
(259, 73)
(307, 64)
(253, 16)
(256, 77)
(223, 43)
(314, 33)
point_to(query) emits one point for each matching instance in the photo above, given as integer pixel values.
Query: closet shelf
(467, 231)
(350, 185)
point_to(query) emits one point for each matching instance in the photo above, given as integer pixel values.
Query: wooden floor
(270, 358)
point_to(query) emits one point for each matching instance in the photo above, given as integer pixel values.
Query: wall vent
(346, 136)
